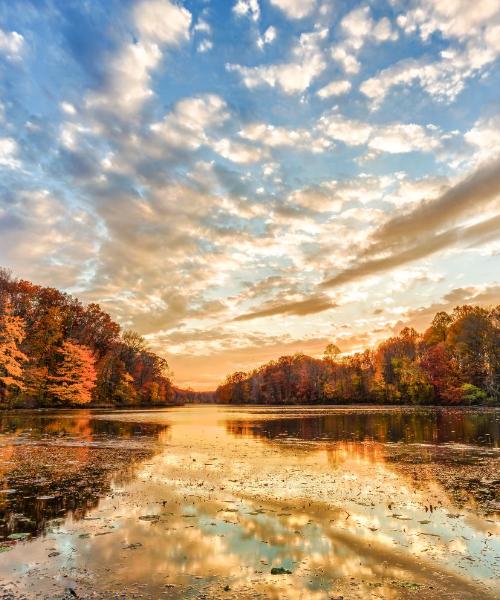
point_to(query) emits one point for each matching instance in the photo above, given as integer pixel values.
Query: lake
(250, 502)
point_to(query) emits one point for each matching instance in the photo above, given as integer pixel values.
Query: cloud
(460, 19)
(483, 232)
(270, 35)
(485, 137)
(158, 23)
(347, 60)
(237, 152)
(357, 29)
(472, 32)
(186, 126)
(45, 239)
(307, 62)
(400, 138)
(349, 131)
(465, 199)
(442, 79)
(301, 308)
(295, 9)
(429, 227)
(12, 45)
(334, 88)
(205, 46)
(247, 8)
(9, 153)
(420, 318)
(276, 137)
(394, 138)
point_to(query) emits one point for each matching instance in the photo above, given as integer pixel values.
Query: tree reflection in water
(55, 465)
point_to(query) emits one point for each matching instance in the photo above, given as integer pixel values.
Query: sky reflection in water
(224, 495)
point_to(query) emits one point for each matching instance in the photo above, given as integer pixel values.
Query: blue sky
(242, 179)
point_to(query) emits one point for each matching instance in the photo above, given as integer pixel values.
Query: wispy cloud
(300, 308)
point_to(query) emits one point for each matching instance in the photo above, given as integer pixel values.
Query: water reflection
(225, 496)
(409, 426)
(52, 465)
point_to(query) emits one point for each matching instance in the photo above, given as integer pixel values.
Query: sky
(242, 179)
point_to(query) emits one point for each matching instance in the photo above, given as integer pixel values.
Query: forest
(54, 351)
(456, 361)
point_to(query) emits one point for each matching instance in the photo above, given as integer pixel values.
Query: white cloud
(335, 88)
(442, 79)
(11, 44)
(393, 138)
(460, 19)
(348, 61)
(358, 28)
(185, 127)
(350, 131)
(237, 152)
(162, 22)
(292, 77)
(473, 32)
(202, 27)
(269, 37)
(8, 153)
(400, 138)
(158, 23)
(485, 137)
(68, 108)
(205, 46)
(275, 137)
(247, 8)
(295, 9)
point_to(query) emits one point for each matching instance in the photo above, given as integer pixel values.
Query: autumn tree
(12, 359)
(331, 353)
(75, 375)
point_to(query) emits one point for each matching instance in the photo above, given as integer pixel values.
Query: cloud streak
(419, 233)
(301, 308)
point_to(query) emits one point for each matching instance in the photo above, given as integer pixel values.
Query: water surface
(204, 501)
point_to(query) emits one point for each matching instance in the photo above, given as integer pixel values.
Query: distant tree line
(55, 351)
(190, 396)
(455, 361)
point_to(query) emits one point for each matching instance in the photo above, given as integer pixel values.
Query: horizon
(241, 180)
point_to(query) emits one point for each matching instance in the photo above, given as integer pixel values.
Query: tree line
(455, 361)
(55, 351)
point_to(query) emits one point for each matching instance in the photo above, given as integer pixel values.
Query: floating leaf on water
(18, 536)
(280, 571)
(409, 585)
(133, 546)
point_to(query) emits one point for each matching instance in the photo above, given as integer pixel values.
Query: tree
(438, 330)
(331, 352)
(12, 334)
(443, 372)
(468, 340)
(472, 394)
(75, 375)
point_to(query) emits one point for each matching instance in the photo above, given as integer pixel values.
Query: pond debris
(280, 571)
